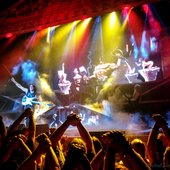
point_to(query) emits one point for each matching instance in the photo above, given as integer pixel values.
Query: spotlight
(9, 35)
(84, 17)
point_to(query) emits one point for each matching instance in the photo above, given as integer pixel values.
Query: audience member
(74, 120)
(155, 145)
(18, 145)
(23, 150)
(139, 146)
(3, 134)
(115, 142)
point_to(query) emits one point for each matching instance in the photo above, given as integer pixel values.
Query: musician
(100, 71)
(123, 70)
(122, 61)
(30, 98)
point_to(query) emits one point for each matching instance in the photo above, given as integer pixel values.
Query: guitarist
(30, 97)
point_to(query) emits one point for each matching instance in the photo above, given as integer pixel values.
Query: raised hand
(106, 138)
(28, 112)
(119, 142)
(159, 120)
(16, 142)
(44, 142)
(73, 119)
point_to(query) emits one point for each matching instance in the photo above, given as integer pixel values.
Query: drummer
(104, 70)
(100, 70)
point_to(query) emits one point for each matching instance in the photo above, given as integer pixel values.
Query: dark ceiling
(22, 16)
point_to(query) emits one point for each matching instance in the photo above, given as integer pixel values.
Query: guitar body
(28, 100)
(31, 101)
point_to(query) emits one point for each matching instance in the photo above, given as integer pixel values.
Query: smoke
(167, 116)
(7, 120)
(149, 120)
(15, 69)
(131, 122)
(30, 75)
(45, 88)
(109, 118)
(28, 71)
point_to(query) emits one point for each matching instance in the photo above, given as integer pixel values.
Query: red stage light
(84, 17)
(9, 35)
(146, 8)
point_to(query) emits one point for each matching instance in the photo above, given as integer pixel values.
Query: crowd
(22, 149)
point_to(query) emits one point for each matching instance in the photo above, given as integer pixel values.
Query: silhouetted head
(139, 146)
(76, 156)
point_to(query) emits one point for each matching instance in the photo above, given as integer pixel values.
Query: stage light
(48, 35)
(134, 45)
(82, 31)
(112, 33)
(86, 21)
(84, 17)
(153, 44)
(39, 28)
(126, 11)
(145, 8)
(144, 45)
(112, 19)
(9, 35)
(155, 25)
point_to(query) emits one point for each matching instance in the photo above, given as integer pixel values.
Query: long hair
(34, 87)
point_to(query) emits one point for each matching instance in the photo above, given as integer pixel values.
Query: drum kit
(149, 74)
(101, 70)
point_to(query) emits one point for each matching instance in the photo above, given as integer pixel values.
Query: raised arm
(103, 159)
(17, 122)
(19, 85)
(85, 135)
(32, 129)
(98, 159)
(17, 143)
(160, 122)
(122, 146)
(3, 132)
(43, 148)
(51, 161)
(164, 125)
(72, 119)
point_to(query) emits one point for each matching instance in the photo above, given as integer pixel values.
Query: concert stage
(95, 117)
